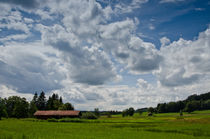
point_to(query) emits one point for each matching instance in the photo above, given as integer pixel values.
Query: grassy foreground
(161, 126)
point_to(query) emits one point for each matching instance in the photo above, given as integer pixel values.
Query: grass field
(159, 126)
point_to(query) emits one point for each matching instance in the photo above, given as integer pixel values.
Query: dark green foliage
(21, 109)
(140, 111)
(61, 100)
(1, 108)
(206, 105)
(109, 115)
(131, 111)
(89, 115)
(124, 113)
(170, 107)
(192, 103)
(161, 108)
(17, 107)
(56, 103)
(41, 102)
(96, 112)
(149, 114)
(180, 113)
(205, 96)
(66, 106)
(111, 112)
(32, 109)
(3, 111)
(35, 99)
(128, 112)
(151, 110)
(192, 106)
(52, 120)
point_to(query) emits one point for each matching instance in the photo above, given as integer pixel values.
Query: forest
(192, 103)
(17, 107)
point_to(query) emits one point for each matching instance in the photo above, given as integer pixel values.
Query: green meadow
(162, 126)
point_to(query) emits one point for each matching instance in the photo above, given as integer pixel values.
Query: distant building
(57, 114)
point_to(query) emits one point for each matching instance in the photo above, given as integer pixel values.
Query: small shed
(57, 114)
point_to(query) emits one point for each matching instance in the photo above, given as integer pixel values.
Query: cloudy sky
(109, 54)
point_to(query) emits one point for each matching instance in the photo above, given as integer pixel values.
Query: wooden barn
(57, 114)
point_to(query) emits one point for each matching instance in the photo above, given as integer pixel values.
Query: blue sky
(109, 54)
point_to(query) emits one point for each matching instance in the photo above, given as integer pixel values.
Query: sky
(106, 54)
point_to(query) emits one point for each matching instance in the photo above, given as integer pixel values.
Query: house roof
(57, 113)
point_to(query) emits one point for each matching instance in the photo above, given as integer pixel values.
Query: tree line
(192, 103)
(17, 107)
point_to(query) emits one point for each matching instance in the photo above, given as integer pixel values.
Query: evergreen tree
(41, 104)
(61, 100)
(50, 103)
(54, 102)
(35, 99)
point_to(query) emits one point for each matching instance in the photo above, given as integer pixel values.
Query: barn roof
(57, 113)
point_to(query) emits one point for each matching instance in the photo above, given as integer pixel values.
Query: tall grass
(162, 126)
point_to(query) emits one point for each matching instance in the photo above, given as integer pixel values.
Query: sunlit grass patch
(164, 126)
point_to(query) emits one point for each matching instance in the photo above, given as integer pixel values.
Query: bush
(149, 114)
(89, 115)
(180, 113)
(109, 115)
(76, 120)
(52, 120)
(128, 112)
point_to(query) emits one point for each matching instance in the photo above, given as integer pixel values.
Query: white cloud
(6, 92)
(199, 9)
(82, 48)
(28, 20)
(44, 14)
(127, 7)
(14, 37)
(87, 65)
(185, 62)
(164, 41)
(28, 68)
(151, 27)
(144, 56)
(13, 20)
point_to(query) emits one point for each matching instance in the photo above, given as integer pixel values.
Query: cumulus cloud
(82, 49)
(26, 69)
(144, 56)
(13, 21)
(87, 65)
(137, 55)
(185, 62)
